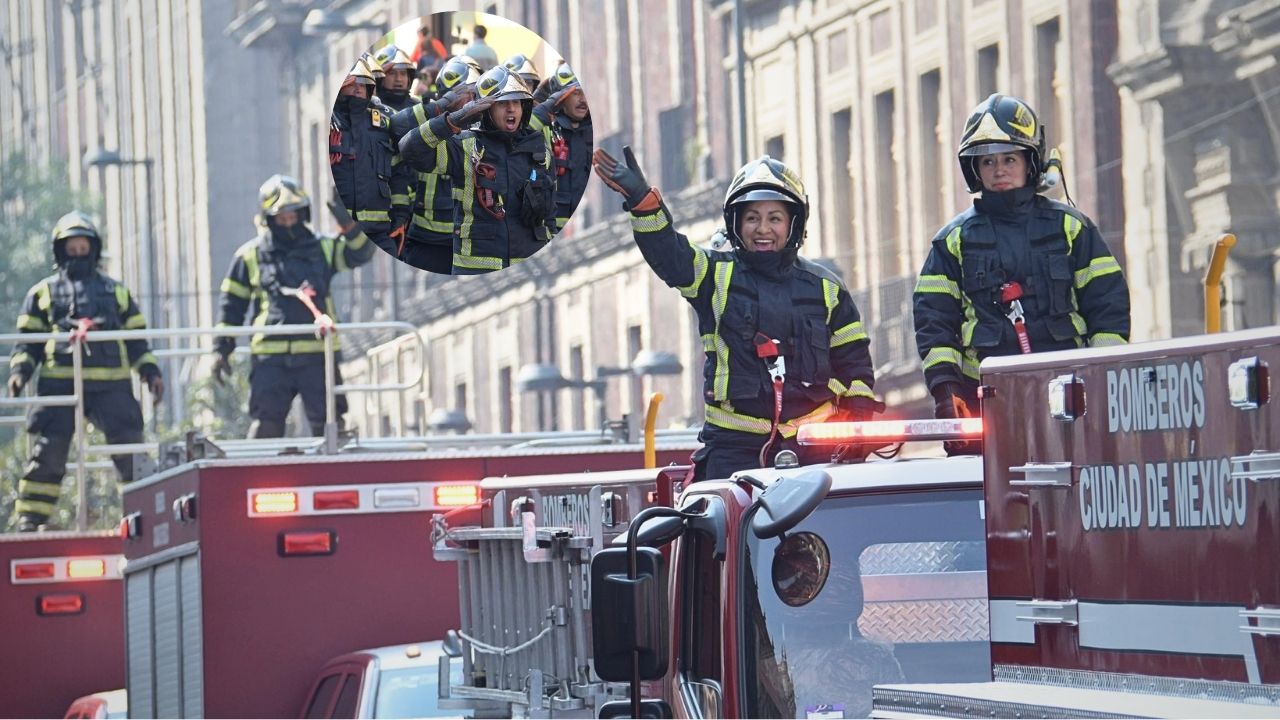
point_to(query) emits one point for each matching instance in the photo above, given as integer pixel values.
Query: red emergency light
(33, 571)
(83, 568)
(270, 502)
(889, 431)
(456, 495)
(60, 604)
(336, 500)
(307, 542)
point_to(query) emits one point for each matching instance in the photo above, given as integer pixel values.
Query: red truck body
(60, 617)
(245, 576)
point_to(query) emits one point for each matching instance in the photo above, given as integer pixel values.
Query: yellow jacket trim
(940, 355)
(1100, 266)
(31, 323)
(940, 284)
(847, 334)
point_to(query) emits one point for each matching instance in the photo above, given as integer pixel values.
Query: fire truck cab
(1133, 511)
(792, 591)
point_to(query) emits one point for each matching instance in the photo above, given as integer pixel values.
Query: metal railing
(328, 444)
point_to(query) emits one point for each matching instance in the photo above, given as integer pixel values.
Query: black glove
(469, 113)
(627, 180)
(452, 100)
(345, 221)
(16, 383)
(553, 102)
(949, 401)
(860, 409)
(221, 368)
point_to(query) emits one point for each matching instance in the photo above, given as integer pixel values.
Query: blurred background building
(1166, 114)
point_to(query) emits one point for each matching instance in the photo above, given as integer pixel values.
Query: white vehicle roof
(895, 474)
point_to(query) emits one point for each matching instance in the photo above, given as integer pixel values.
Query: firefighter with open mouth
(286, 275)
(79, 298)
(502, 169)
(784, 342)
(1016, 272)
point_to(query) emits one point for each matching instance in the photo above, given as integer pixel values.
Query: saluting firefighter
(362, 156)
(784, 342)
(565, 118)
(1016, 272)
(431, 227)
(78, 298)
(398, 73)
(503, 169)
(286, 275)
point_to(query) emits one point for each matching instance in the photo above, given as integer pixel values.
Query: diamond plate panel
(923, 557)
(918, 621)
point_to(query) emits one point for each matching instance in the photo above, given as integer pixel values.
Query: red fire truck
(1132, 519)
(60, 613)
(244, 575)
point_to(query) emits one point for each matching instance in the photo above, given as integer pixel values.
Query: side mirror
(629, 617)
(782, 505)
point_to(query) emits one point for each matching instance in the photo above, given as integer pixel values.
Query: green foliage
(217, 411)
(104, 495)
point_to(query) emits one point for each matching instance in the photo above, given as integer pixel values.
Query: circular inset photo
(461, 142)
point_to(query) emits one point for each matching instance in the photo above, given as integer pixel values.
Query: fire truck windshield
(904, 600)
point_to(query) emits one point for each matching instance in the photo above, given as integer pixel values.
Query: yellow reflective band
(649, 223)
(19, 359)
(830, 296)
(709, 343)
(1071, 226)
(699, 272)
(1082, 328)
(34, 507)
(940, 355)
(251, 265)
(847, 334)
(424, 131)
(144, 359)
(235, 289)
(730, 420)
(969, 367)
(32, 487)
(135, 322)
(63, 372)
(856, 388)
(357, 242)
(1106, 339)
(122, 298)
(953, 242)
(399, 200)
(373, 216)
(44, 300)
(1100, 266)
(561, 222)
(432, 225)
(720, 383)
(31, 323)
(468, 195)
(940, 284)
(477, 262)
(262, 346)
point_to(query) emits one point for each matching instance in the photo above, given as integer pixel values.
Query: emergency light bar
(31, 571)
(889, 431)
(360, 499)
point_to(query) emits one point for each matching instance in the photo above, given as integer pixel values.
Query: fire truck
(60, 617)
(1131, 526)
(244, 575)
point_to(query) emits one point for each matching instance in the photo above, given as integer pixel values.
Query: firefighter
(506, 205)
(565, 119)
(523, 68)
(1017, 272)
(430, 230)
(784, 343)
(398, 74)
(287, 272)
(80, 298)
(369, 176)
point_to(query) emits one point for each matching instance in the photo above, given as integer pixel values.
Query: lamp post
(541, 377)
(101, 158)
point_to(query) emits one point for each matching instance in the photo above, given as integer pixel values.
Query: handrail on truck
(1213, 283)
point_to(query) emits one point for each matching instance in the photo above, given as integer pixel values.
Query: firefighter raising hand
(627, 180)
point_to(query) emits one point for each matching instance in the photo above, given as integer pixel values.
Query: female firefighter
(1017, 272)
(784, 343)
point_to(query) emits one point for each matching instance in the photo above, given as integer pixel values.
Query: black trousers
(725, 452)
(110, 406)
(275, 380)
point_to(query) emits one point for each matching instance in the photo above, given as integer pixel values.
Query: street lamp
(442, 420)
(101, 158)
(542, 377)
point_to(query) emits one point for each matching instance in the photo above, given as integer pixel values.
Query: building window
(841, 188)
(460, 396)
(926, 15)
(505, 413)
(886, 185)
(932, 151)
(838, 51)
(988, 68)
(881, 32)
(1048, 80)
(775, 148)
(578, 419)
